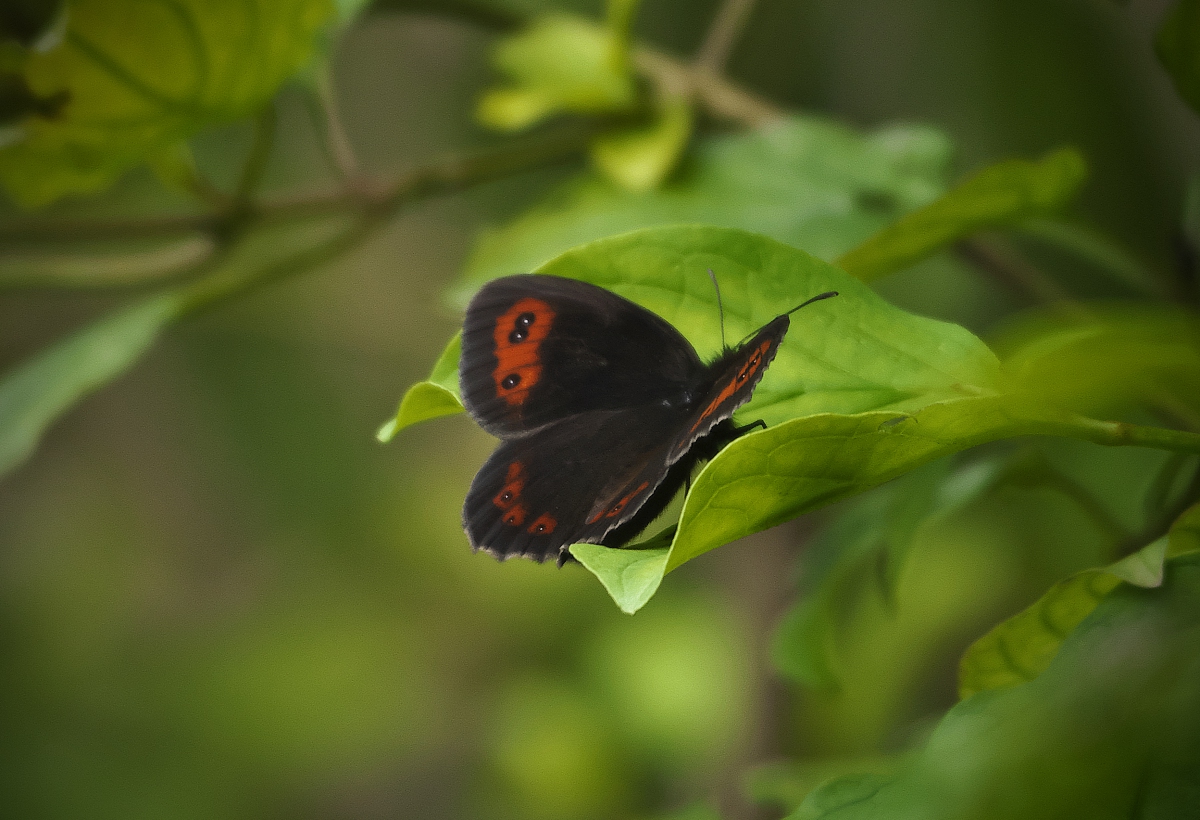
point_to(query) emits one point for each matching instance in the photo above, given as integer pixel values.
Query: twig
(139, 268)
(446, 176)
(722, 34)
(1161, 524)
(337, 142)
(1009, 266)
(721, 98)
(256, 161)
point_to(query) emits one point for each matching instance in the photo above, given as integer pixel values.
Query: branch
(256, 161)
(1011, 267)
(376, 207)
(328, 118)
(718, 43)
(721, 98)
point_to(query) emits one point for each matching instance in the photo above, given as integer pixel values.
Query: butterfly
(602, 407)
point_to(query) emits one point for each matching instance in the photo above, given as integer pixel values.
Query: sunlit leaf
(630, 576)
(436, 396)
(1021, 648)
(40, 390)
(1178, 47)
(140, 75)
(811, 183)
(1112, 723)
(560, 63)
(999, 195)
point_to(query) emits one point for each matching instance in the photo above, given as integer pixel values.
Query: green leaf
(809, 182)
(1109, 730)
(787, 784)
(1021, 648)
(1185, 533)
(631, 576)
(1120, 356)
(999, 195)
(141, 75)
(37, 392)
(436, 396)
(1178, 47)
(639, 159)
(864, 548)
(559, 63)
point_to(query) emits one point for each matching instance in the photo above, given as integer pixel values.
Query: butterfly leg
(748, 427)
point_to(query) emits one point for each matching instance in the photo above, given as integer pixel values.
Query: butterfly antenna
(720, 307)
(816, 298)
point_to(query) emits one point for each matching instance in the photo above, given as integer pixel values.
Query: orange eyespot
(510, 493)
(543, 525)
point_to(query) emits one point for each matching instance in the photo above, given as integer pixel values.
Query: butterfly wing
(731, 383)
(571, 481)
(538, 349)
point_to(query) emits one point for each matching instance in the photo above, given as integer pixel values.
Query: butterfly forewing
(734, 377)
(538, 349)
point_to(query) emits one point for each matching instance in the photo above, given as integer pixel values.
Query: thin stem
(1008, 265)
(1123, 434)
(721, 98)
(730, 20)
(1088, 503)
(337, 141)
(1102, 253)
(256, 160)
(102, 271)
(1160, 524)
(446, 176)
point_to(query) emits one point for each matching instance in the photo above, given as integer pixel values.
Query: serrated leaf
(1109, 728)
(559, 63)
(40, 390)
(1020, 649)
(1178, 48)
(140, 75)
(639, 159)
(436, 396)
(999, 195)
(809, 182)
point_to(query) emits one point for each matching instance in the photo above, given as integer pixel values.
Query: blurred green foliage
(219, 597)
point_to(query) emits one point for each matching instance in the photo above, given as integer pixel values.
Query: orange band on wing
(518, 336)
(615, 509)
(747, 370)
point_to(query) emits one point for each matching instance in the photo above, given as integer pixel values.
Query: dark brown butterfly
(602, 407)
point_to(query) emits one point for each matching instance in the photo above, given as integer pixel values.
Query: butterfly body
(602, 407)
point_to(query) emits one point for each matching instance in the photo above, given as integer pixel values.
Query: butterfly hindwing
(537, 349)
(572, 481)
